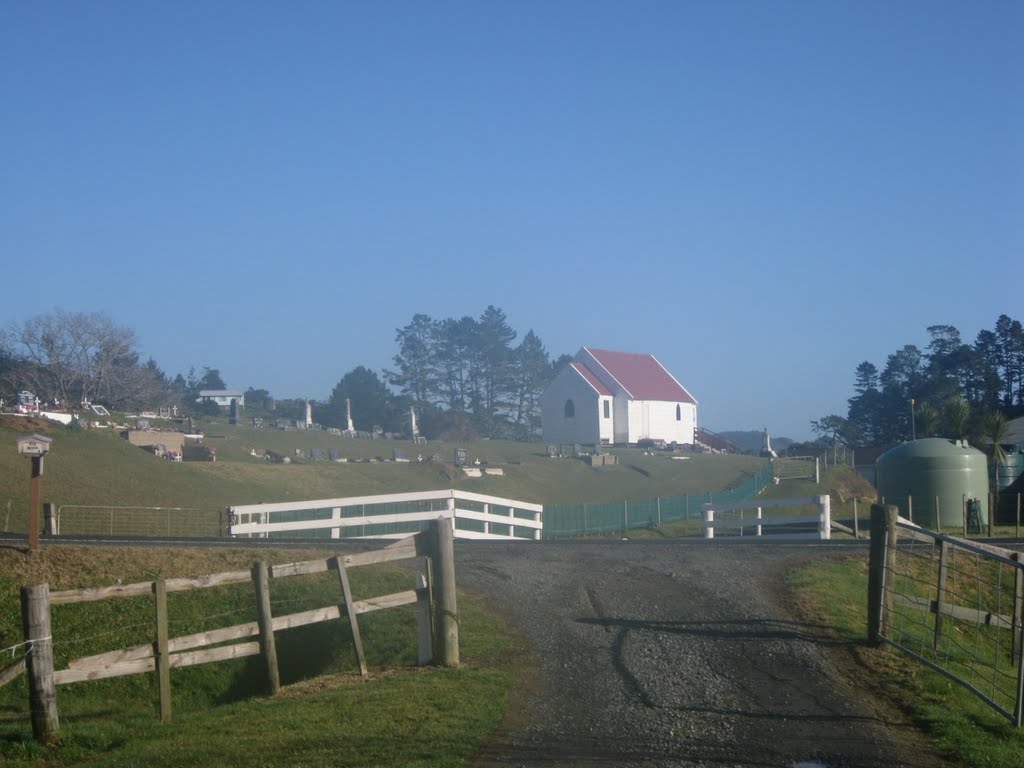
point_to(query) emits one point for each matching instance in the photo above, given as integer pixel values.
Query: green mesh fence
(567, 520)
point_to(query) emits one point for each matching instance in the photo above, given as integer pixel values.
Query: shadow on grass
(302, 653)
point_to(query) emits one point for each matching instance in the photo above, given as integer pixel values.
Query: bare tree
(72, 356)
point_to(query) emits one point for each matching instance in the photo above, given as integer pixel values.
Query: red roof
(592, 380)
(641, 375)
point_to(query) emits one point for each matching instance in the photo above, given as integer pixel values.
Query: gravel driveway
(675, 653)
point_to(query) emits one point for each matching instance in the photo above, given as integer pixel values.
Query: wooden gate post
(42, 693)
(1017, 635)
(940, 591)
(446, 622)
(268, 646)
(883, 535)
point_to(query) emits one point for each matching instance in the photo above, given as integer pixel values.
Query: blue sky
(761, 194)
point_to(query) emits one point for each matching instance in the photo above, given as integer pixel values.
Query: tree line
(465, 377)
(466, 373)
(951, 388)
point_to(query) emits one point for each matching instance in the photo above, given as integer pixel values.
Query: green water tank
(916, 476)
(1006, 474)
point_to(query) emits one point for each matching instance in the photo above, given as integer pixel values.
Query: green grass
(97, 467)
(325, 713)
(835, 592)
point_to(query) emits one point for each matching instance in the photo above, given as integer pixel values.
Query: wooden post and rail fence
(433, 593)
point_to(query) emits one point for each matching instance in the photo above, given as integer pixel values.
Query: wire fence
(956, 607)
(84, 520)
(572, 520)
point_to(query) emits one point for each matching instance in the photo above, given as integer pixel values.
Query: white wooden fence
(492, 517)
(823, 518)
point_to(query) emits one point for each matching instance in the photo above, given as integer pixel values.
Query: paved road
(676, 654)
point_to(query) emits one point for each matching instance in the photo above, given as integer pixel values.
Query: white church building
(620, 398)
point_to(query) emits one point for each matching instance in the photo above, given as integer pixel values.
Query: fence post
(993, 502)
(709, 517)
(346, 590)
(49, 519)
(1017, 622)
(910, 506)
(1018, 631)
(825, 517)
(42, 693)
(883, 518)
(856, 522)
(758, 517)
(446, 649)
(940, 592)
(963, 503)
(160, 650)
(268, 646)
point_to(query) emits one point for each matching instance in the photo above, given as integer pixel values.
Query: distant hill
(751, 440)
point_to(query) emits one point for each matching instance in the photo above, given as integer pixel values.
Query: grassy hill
(98, 467)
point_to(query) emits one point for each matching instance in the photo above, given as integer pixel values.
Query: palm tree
(957, 412)
(996, 430)
(927, 419)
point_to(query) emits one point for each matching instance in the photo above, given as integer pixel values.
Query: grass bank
(325, 713)
(97, 467)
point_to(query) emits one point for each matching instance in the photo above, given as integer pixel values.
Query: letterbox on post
(35, 447)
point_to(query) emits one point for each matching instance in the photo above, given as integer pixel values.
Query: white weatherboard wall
(584, 426)
(657, 419)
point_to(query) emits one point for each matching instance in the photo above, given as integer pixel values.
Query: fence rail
(954, 605)
(437, 623)
(472, 515)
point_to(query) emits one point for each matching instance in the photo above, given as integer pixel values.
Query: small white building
(606, 397)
